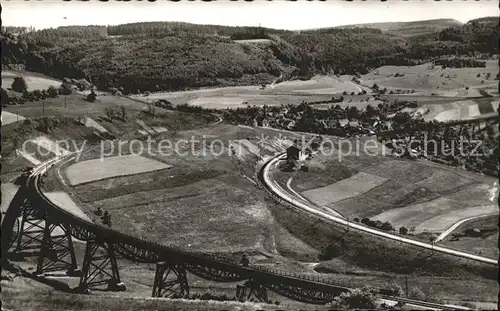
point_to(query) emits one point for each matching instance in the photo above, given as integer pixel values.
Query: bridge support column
(170, 281)
(252, 287)
(57, 252)
(100, 267)
(31, 229)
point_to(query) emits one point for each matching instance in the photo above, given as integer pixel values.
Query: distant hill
(408, 29)
(168, 56)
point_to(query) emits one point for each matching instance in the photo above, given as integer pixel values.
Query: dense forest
(158, 56)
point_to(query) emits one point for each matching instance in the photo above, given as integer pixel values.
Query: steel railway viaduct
(51, 229)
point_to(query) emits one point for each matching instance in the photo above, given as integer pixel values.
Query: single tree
(19, 85)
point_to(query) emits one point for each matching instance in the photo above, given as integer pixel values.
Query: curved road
(280, 192)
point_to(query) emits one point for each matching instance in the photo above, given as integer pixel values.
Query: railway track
(294, 286)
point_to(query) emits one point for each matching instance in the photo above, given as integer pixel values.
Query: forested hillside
(409, 29)
(174, 56)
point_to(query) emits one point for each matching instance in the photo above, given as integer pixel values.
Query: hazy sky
(275, 14)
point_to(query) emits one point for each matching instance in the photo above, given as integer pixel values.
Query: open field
(426, 79)
(35, 81)
(218, 214)
(346, 188)
(460, 110)
(327, 85)
(92, 170)
(288, 92)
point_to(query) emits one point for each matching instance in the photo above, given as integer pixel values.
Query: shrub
(66, 89)
(387, 226)
(45, 94)
(403, 230)
(82, 84)
(416, 294)
(28, 96)
(92, 96)
(356, 219)
(359, 298)
(397, 290)
(52, 91)
(37, 94)
(331, 251)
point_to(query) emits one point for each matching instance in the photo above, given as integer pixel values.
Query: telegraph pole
(43, 108)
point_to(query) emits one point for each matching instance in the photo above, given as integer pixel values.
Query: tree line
(178, 56)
